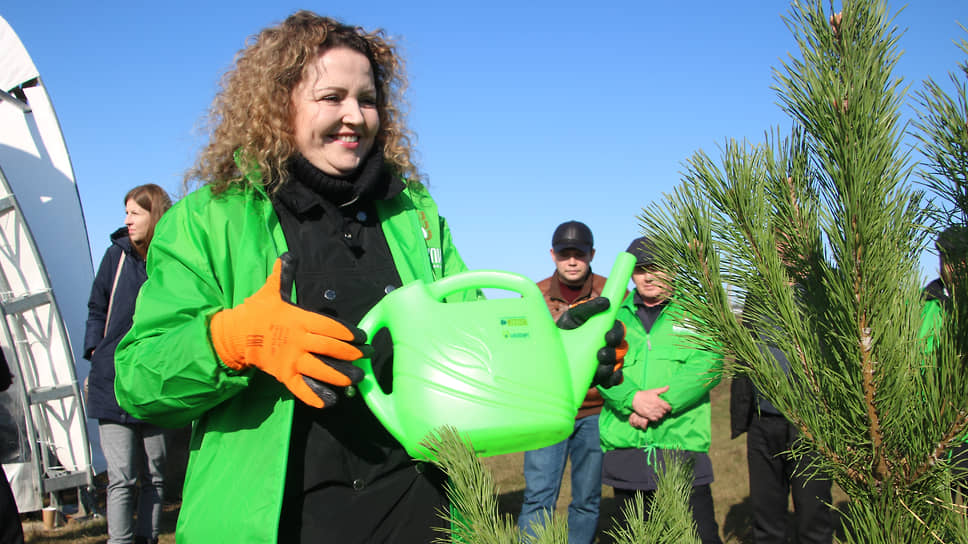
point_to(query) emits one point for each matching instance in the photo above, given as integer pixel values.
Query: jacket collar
(120, 238)
(935, 291)
(310, 187)
(554, 289)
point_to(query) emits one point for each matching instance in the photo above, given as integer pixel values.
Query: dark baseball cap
(573, 235)
(952, 243)
(643, 249)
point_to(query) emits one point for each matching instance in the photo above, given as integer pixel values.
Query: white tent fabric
(45, 278)
(15, 64)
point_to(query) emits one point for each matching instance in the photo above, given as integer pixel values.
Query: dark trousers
(773, 476)
(11, 532)
(959, 471)
(701, 503)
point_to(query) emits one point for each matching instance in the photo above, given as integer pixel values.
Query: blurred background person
(662, 408)
(952, 247)
(573, 283)
(11, 530)
(132, 448)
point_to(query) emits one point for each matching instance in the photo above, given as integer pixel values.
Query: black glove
(612, 355)
(323, 390)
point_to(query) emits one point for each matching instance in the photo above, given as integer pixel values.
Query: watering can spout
(582, 344)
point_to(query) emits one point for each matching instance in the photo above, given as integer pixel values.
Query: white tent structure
(45, 278)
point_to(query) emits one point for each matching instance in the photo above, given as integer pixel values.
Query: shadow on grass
(737, 526)
(609, 515)
(510, 503)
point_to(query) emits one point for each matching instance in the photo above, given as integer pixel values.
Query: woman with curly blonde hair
(309, 181)
(250, 112)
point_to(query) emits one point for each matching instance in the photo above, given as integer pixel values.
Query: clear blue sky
(527, 114)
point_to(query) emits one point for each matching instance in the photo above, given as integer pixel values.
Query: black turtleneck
(340, 457)
(344, 264)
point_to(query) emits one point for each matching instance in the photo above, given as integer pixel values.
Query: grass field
(730, 492)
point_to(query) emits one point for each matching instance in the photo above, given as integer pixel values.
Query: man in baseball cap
(572, 290)
(662, 410)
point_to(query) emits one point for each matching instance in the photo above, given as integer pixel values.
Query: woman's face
(335, 120)
(138, 221)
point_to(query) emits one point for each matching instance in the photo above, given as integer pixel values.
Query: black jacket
(342, 454)
(744, 401)
(99, 344)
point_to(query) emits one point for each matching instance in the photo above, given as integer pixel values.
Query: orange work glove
(612, 355)
(302, 349)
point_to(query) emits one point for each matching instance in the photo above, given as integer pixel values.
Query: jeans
(543, 470)
(133, 450)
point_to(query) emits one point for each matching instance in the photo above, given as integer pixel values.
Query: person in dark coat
(11, 531)
(129, 445)
(773, 474)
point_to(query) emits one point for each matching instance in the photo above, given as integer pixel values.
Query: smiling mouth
(347, 138)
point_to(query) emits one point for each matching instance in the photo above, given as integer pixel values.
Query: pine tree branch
(944, 445)
(855, 475)
(868, 364)
(473, 517)
(831, 211)
(921, 521)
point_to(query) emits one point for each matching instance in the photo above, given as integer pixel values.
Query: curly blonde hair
(252, 112)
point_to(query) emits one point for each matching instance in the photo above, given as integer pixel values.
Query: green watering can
(498, 370)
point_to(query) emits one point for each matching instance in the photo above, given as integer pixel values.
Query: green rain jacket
(932, 313)
(655, 359)
(210, 253)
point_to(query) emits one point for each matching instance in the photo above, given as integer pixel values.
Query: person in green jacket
(952, 247)
(661, 409)
(312, 213)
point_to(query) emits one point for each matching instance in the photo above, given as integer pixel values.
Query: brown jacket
(551, 289)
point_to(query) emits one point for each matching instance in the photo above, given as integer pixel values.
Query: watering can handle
(483, 279)
(376, 399)
(618, 279)
(583, 342)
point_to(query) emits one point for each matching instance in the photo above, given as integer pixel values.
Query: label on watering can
(516, 327)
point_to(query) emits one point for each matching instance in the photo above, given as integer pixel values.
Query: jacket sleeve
(97, 304)
(167, 371)
(740, 404)
(619, 397)
(931, 322)
(453, 263)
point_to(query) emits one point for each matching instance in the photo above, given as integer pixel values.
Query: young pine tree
(820, 233)
(474, 518)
